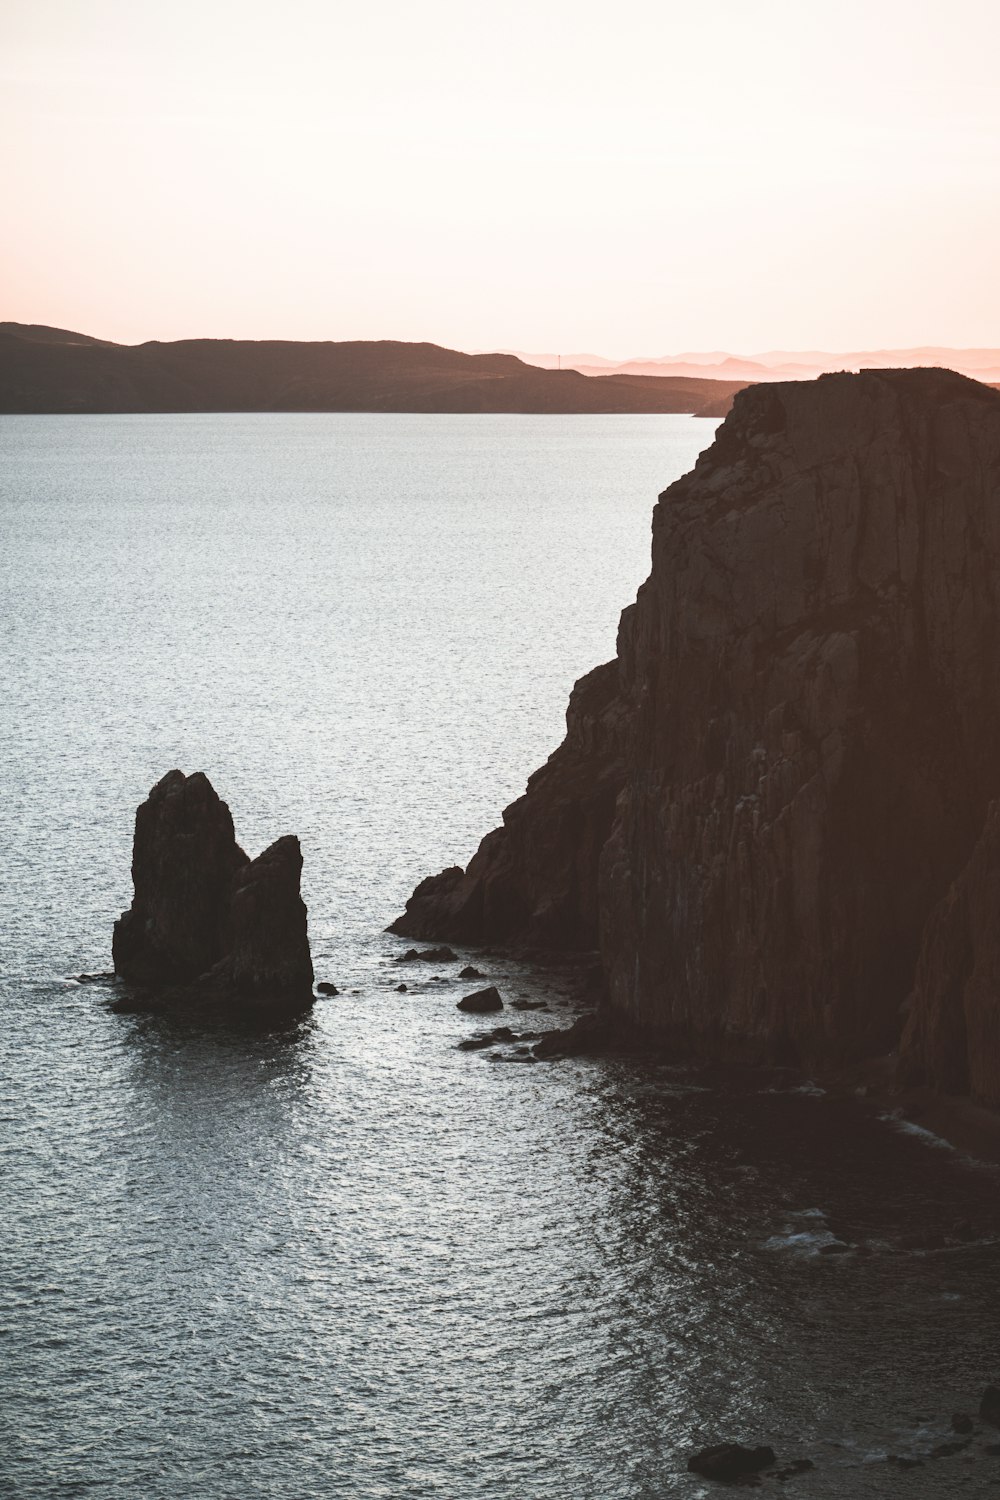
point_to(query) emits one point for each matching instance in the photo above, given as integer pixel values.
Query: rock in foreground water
(184, 859)
(206, 920)
(482, 1001)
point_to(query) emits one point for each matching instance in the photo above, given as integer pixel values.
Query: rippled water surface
(346, 1259)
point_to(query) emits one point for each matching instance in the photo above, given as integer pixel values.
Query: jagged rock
(184, 859)
(204, 915)
(759, 805)
(268, 942)
(471, 972)
(728, 1462)
(482, 1001)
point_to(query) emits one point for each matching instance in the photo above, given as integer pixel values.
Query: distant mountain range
(778, 364)
(53, 370)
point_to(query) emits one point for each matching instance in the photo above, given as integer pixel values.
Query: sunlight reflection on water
(345, 1258)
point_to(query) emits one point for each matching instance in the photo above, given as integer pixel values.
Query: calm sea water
(347, 1259)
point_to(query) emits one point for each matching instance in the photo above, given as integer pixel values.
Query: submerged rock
(728, 1462)
(206, 922)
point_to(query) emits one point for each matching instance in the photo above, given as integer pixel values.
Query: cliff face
(952, 1038)
(535, 879)
(205, 916)
(806, 712)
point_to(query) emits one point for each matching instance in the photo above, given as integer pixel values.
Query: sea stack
(205, 920)
(764, 806)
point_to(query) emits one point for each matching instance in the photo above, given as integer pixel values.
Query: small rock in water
(482, 1001)
(728, 1462)
(529, 1005)
(471, 972)
(989, 1405)
(325, 988)
(962, 1422)
(475, 1043)
(835, 1247)
(904, 1463)
(428, 955)
(105, 977)
(401, 989)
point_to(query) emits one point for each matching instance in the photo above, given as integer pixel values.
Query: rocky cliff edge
(762, 803)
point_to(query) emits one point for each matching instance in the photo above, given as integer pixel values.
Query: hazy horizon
(549, 180)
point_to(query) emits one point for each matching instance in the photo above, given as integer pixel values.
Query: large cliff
(761, 805)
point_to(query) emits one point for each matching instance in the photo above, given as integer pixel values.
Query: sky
(628, 179)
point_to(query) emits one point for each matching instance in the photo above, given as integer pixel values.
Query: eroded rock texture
(952, 1038)
(204, 914)
(268, 949)
(535, 879)
(801, 730)
(184, 858)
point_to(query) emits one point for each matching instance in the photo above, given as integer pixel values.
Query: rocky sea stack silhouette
(206, 921)
(772, 812)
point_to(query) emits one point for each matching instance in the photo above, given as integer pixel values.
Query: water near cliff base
(347, 1259)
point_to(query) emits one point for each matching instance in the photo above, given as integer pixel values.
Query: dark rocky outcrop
(535, 879)
(205, 919)
(268, 942)
(482, 1001)
(184, 859)
(761, 806)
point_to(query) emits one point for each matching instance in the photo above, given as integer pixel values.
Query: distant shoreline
(53, 372)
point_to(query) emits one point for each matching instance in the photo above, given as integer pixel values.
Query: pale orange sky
(630, 179)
